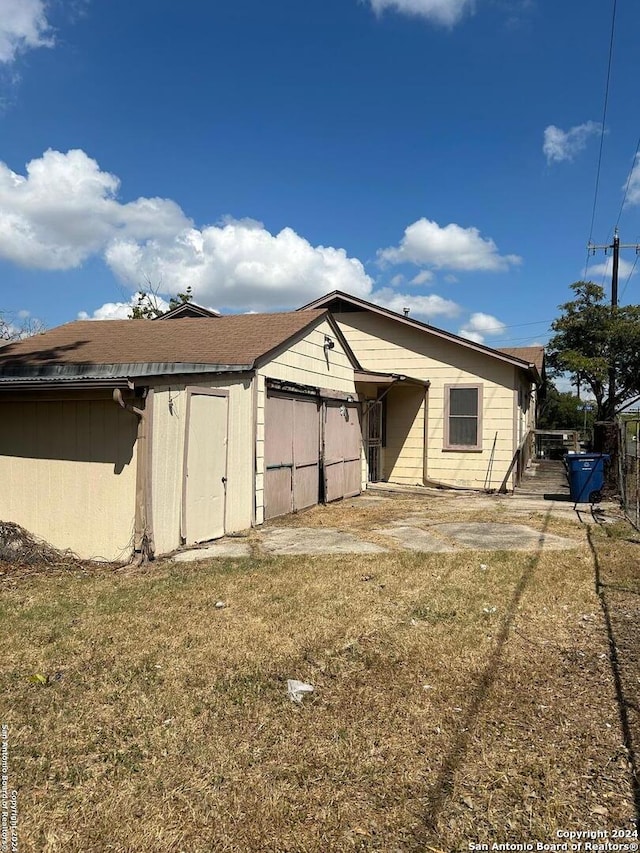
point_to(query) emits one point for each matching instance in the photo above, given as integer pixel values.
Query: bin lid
(580, 457)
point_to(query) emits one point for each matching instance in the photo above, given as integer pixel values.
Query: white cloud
(120, 310)
(562, 145)
(423, 306)
(625, 269)
(633, 190)
(470, 335)
(447, 13)
(449, 247)
(23, 26)
(480, 326)
(65, 210)
(422, 277)
(238, 265)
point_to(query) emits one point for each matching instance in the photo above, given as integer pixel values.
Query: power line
(626, 189)
(630, 274)
(602, 130)
(514, 340)
(532, 323)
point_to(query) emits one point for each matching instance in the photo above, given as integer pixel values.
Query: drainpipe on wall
(143, 540)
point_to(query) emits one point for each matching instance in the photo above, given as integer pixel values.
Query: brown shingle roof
(532, 355)
(233, 340)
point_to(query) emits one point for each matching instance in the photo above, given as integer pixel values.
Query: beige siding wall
(306, 363)
(68, 474)
(385, 345)
(169, 430)
(260, 410)
(303, 362)
(402, 456)
(526, 415)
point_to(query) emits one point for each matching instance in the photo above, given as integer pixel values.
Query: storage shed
(131, 436)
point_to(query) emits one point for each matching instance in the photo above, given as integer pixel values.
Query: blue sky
(438, 154)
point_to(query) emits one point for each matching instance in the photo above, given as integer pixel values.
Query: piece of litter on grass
(297, 689)
(483, 567)
(488, 609)
(220, 605)
(427, 686)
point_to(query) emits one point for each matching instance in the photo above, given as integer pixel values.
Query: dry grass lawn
(453, 704)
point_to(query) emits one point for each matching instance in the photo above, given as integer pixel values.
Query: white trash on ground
(297, 689)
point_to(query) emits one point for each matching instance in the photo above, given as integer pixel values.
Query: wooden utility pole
(615, 248)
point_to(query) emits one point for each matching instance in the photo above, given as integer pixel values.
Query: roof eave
(323, 301)
(377, 377)
(85, 373)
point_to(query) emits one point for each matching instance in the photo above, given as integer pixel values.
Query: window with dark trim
(463, 417)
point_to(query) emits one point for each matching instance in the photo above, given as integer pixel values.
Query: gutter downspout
(142, 543)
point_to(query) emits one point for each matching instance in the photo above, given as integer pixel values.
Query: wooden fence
(629, 467)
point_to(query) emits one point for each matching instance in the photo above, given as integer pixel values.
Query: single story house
(130, 436)
(467, 426)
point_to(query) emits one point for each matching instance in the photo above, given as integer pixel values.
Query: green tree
(181, 298)
(148, 303)
(589, 338)
(563, 410)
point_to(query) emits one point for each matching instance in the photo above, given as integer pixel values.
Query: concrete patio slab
(223, 548)
(315, 540)
(485, 536)
(414, 539)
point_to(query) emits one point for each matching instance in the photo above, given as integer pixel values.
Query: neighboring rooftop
(532, 355)
(187, 309)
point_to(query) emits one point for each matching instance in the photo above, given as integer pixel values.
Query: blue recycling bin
(586, 476)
